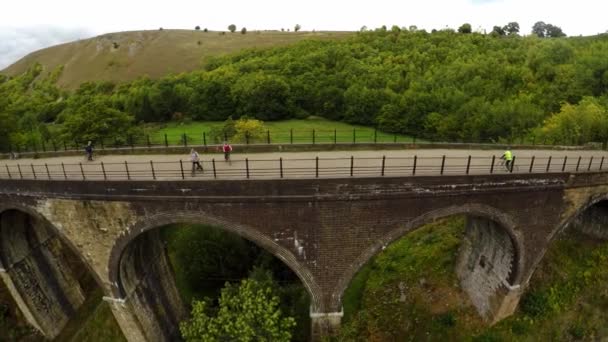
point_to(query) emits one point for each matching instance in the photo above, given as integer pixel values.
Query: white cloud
(18, 42)
(574, 17)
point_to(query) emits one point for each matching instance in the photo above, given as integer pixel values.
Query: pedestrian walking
(196, 162)
(89, 151)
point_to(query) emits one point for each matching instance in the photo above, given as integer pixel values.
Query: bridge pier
(325, 324)
(124, 314)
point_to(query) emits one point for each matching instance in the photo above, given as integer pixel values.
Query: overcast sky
(28, 25)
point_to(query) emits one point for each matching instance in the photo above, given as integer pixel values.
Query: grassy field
(124, 56)
(287, 131)
(410, 292)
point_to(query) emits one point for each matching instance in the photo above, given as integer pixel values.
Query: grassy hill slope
(125, 56)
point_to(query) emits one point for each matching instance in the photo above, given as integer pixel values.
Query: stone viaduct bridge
(323, 229)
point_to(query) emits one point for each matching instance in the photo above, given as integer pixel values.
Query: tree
(243, 30)
(539, 29)
(97, 120)
(498, 31)
(205, 30)
(248, 130)
(554, 31)
(580, 123)
(232, 28)
(225, 132)
(197, 28)
(465, 28)
(512, 28)
(247, 312)
(265, 97)
(547, 30)
(297, 27)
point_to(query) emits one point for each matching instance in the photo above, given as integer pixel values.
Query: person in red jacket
(226, 149)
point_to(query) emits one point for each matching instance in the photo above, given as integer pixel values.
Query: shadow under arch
(505, 221)
(564, 224)
(44, 281)
(162, 219)
(580, 210)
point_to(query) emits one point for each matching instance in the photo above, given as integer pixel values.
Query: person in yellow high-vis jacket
(508, 157)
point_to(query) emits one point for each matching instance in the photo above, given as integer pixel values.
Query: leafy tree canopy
(247, 312)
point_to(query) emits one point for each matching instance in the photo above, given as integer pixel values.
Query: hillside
(125, 56)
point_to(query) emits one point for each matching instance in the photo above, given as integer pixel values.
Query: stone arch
(593, 201)
(37, 271)
(569, 220)
(504, 224)
(151, 223)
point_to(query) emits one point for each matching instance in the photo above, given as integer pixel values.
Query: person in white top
(196, 162)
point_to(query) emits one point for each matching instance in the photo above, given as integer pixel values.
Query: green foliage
(579, 123)
(438, 85)
(97, 120)
(465, 28)
(208, 256)
(247, 312)
(232, 28)
(409, 292)
(262, 96)
(248, 129)
(244, 30)
(204, 258)
(223, 132)
(542, 30)
(535, 304)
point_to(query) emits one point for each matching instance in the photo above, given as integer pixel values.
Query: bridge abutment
(37, 272)
(486, 266)
(149, 288)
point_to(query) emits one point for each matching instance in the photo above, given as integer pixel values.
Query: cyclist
(508, 158)
(226, 149)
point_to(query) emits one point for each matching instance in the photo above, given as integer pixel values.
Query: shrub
(535, 303)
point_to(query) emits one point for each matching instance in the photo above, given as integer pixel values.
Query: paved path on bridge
(301, 164)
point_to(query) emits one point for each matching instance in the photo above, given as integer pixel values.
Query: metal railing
(298, 168)
(270, 137)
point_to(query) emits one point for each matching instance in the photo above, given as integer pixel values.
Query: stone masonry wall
(324, 229)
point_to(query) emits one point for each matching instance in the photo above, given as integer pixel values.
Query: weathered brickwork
(324, 229)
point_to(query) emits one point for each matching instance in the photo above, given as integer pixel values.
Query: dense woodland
(442, 85)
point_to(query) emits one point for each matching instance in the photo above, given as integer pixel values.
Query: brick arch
(505, 221)
(162, 219)
(64, 239)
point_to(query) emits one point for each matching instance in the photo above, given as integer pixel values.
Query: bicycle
(503, 165)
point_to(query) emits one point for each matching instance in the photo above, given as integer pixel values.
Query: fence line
(312, 136)
(299, 168)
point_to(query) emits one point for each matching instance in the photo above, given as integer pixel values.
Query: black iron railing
(281, 167)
